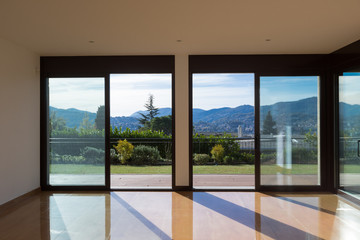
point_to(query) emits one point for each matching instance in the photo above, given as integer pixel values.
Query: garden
(150, 152)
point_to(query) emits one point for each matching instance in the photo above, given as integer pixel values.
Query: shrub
(114, 157)
(66, 159)
(72, 159)
(145, 155)
(125, 150)
(93, 155)
(248, 158)
(268, 158)
(304, 156)
(230, 160)
(201, 159)
(217, 153)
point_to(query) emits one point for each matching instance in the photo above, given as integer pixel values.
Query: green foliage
(152, 138)
(204, 144)
(93, 155)
(125, 150)
(114, 157)
(145, 155)
(268, 157)
(304, 156)
(240, 158)
(56, 123)
(231, 160)
(201, 159)
(152, 112)
(86, 124)
(100, 118)
(269, 125)
(217, 153)
(66, 159)
(75, 133)
(127, 133)
(163, 124)
(248, 158)
(311, 138)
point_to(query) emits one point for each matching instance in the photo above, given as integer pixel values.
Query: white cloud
(129, 92)
(222, 90)
(349, 89)
(80, 93)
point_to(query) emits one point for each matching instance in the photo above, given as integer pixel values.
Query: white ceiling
(142, 27)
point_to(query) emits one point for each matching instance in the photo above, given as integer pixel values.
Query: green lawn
(208, 169)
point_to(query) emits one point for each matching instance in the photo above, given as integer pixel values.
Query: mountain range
(301, 115)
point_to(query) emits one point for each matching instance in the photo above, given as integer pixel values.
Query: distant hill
(125, 122)
(224, 119)
(301, 115)
(73, 116)
(162, 112)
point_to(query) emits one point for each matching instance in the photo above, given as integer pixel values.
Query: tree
(100, 118)
(162, 124)
(217, 153)
(86, 124)
(269, 125)
(125, 150)
(151, 112)
(311, 137)
(56, 123)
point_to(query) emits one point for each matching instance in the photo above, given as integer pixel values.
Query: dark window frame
(265, 65)
(98, 66)
(342, 65)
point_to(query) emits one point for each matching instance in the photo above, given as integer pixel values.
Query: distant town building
(240, 134)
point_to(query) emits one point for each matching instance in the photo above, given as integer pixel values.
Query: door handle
(358, 148)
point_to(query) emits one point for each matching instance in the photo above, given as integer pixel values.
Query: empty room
(179, 120)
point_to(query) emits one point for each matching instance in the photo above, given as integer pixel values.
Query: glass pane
(141, 130)
(289, 130)
(76, 131)
(223, 130)
(349, 132)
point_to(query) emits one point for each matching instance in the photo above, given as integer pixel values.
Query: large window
(223, 130)
(141, 130)
(76, 140)
(107, 122)
(349, 133)
(289, 130)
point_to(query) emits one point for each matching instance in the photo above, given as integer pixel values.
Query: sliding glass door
(141, 150)
(349, 133)
(107, 122)
(223, 143)
(76, 136)
(289, 130)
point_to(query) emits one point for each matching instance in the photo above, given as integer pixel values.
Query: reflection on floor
(164, 180)
(180, 215)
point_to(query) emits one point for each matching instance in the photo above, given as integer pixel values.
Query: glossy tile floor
(180, 215)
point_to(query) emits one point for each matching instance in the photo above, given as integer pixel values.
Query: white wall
(19, 121)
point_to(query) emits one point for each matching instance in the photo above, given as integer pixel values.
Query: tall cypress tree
(100, 118)
(269, 125)
(152, 111)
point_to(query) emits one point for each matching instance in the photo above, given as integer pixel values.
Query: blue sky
(223, 90)
(129, 92)
(287, 89)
